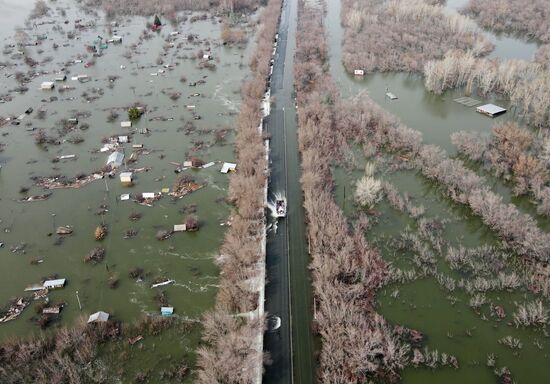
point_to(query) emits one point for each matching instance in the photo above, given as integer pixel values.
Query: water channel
(445, 318)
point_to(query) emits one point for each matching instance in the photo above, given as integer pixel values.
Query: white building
(98, 317)
(47, 85)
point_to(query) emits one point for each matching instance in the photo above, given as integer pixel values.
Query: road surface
(288, 289)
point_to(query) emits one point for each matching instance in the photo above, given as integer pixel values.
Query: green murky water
(187, 258)
(445, 318)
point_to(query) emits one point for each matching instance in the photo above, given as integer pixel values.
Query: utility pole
(78, 298)
(344, 209)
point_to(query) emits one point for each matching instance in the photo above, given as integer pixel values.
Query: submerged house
(115, 159)
(126, 178)
(166, 311)
(228, 167)
(490, 110)
(47, 85)
(57, 283)
(98, 317)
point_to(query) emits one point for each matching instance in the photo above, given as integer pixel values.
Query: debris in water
(66, 230)
(35, 198)
(15, 309)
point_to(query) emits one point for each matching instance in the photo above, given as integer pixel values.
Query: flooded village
(116, 149)
(279, 191)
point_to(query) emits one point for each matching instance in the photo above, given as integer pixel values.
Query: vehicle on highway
(280, 207)
(273, 323)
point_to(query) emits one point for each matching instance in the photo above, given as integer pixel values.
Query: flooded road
(445, 317)
(288, 289)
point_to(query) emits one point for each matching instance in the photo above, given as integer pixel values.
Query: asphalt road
(288, 289)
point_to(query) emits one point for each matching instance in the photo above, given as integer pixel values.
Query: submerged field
(189, 102)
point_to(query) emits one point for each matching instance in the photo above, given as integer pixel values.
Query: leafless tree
(529, 17)
(401, 35)
(230, 353)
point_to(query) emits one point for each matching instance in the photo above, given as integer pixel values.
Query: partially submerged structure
(56, 283)
(228, 167)
(166, 311)
(98, 317)
(126, 178)
(490, 110)
(47, 85)
(115, 159)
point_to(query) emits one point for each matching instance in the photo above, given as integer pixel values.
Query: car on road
(273, 323)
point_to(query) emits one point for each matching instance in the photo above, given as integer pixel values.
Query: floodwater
(186, 258)
(445, 318)
(506, 47)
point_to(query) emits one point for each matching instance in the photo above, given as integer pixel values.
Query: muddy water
(506, 47)
(187, 258)
(437, 117)
(445, 318)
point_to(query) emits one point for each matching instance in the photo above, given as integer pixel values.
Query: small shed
(116, 39)
(51, 311)
(123, 139)
(126, 124)
(206, 56)
(115, 159)
(83, 78)
(180, 228)
(166, 311)
(149, 195)
(126, 178)
(98, 317)
(60, 78)
(359, 72)
(490, 110)
(47, 85)
(52, 284)
(228, 167)
(124, 197)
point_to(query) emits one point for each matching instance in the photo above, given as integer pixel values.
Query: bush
(134, 113)
(367, 192)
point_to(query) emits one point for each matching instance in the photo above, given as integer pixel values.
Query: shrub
(367, 192)
(134, 113)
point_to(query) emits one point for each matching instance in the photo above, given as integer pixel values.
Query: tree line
(231, 353)
(401, 35)
(357, 343)
(167, 7)
(529, 17)
(514, 154)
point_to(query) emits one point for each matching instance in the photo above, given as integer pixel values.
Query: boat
(280, 208)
